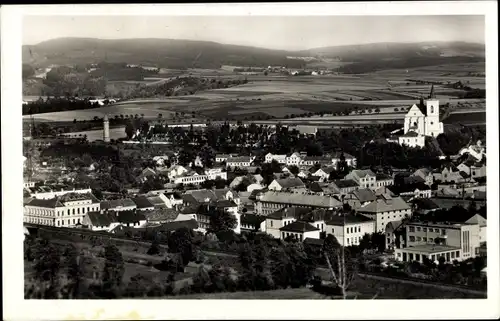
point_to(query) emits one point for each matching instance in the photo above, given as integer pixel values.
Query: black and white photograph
(250, 152)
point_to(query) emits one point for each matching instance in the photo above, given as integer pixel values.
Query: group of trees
(50, 263)
(50, 105)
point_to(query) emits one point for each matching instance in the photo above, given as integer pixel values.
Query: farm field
(279, 96)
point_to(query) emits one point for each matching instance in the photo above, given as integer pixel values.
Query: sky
(273, 32)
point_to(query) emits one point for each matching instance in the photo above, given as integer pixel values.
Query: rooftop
(142, 202)
(341, 220)
(299, 199)
(288, 212)
(111, 204)
(430, 248)
(345, 183)
(290, 182)
(164, 214)
(252, 219)
(299, 226)
(385, 203)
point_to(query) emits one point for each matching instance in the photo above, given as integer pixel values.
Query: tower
(106, 129)
(432, 125)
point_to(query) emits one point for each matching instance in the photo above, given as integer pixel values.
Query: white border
(15, 308)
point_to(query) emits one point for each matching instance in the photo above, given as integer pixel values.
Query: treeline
(121, 71)
(68, 81)
(184, 86)
(371, 66)
(50, 105)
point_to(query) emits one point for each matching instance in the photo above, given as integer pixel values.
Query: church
(422, 120)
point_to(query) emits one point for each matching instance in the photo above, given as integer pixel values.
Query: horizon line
(267, 48)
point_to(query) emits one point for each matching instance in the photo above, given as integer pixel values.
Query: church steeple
(431, 95)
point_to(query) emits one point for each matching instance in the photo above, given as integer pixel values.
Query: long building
(67, 210)
(271, 201)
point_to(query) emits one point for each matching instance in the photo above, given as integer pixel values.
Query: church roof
(422, 107)
(410, 134)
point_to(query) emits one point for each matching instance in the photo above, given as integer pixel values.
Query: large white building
(66, 211)
(420, 121)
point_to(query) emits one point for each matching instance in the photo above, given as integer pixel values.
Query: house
(345, 186)
(293, 159)
(281, 159)
(478, 150)
(239, 161)
(452, 241)
(412, 139)
(481, 221)
(146, 174)
(197, 162)
(349, 159)
(382, 179)
(159, 201)
(299, 230)
(365, 178)
(349, 229)
(451, 174)
(195, 178)
(132, 218)
(203, 196)
(67, 210)
(160, 216)
(286, 184)
(175, 171)
(124, 204)
(360, 198)
(417, 190)
(253, 223)
(176, 225)
(425, 174)
(324, 172)
(161, 160)
(384, 210)
(220, 158)
(474, 170)
(205, 212)
(257, 178)
(96, 221)
(143, 204)
(315, 160)
(271, 201)
(304, 174)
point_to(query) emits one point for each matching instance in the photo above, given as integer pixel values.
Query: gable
(414, 111)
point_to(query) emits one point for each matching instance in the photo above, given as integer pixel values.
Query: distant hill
(166, 53)
(388, 50)
(184, 54)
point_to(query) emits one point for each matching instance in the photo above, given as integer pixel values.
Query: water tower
(106, 129)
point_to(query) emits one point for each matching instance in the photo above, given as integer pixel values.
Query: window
(419, 239)
(418, 228)
(411, 256)
(417, 257)
(443, 232)
(424, 229)
(271, 223)
(433, 257)
(73, 211)
(424, 239)
(347, 241)
(412, 238)
(412, 229)
(452, 255)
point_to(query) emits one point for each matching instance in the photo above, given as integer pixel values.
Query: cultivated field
(279, 96)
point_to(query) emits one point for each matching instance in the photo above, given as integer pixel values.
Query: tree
(221, 220)
(114, 267)
(340, 265)
(378, 241)
(129, 129)
(180, 242)
(154, 249)
(294, 169)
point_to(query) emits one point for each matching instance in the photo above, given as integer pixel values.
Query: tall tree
(221, 220)
(114, 267)
(340, 265)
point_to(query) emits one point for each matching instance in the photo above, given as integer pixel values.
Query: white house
(477, 150)
(349, 229)
(481, 221)
(412, 139)
(282, 217)
(176, 171)
(49, 193)
(239, 161)
(365, 178)
(286, 183)
(294, 159)
(279, 158)
(299, 230)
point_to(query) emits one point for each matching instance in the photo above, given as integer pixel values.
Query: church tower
(432, 125)
(106, 129)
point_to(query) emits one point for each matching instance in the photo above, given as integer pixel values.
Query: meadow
(280, 96)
